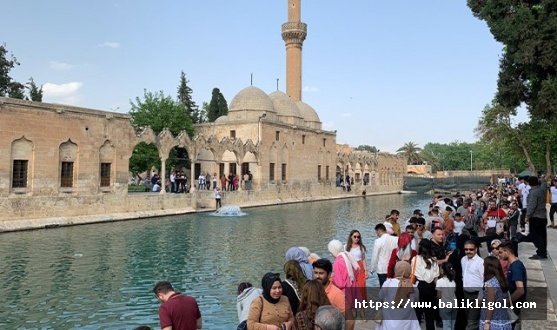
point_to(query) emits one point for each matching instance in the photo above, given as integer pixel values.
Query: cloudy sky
(379, 72)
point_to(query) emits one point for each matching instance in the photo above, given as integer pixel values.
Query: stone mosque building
(63, 165)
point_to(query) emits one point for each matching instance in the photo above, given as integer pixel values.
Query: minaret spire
(294, 33)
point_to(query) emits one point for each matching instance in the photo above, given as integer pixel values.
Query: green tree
(528, 65)
(365, 147)
(186, 100)
(411, 151)
(16, 90)
(35, 93)
(143, 158)
(6, 65)
(217, 107)
(159, 112)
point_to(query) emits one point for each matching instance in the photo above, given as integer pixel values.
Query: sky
(380, 73)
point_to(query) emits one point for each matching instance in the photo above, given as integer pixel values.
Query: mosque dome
(249, 104)
(310, 116)
(222, 119)
(286, 108)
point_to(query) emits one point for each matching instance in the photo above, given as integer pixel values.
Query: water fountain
(229, 211)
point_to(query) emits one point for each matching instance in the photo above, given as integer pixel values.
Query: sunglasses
(469, 249)
(315, 325)
(356, 236)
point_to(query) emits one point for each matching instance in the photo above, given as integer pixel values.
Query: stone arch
(22, 165)
(68, 164)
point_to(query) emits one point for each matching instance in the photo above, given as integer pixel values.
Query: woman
(293, 284)
(313, 297)
(223, 182)
(246, 294)
(495, 291)
(403, 252)
(357, 250)
(296, 254)
(345, 270)
(271, 311)
(426, 271)
(403, 316)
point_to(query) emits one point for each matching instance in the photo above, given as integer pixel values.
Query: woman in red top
(403, 252)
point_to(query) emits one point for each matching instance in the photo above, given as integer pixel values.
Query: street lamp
(471, 159)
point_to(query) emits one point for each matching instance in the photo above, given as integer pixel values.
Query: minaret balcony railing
(294, 32)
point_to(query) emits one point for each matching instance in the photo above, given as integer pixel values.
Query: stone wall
(70, 165)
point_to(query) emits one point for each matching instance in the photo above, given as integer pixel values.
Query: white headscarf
(336, 248)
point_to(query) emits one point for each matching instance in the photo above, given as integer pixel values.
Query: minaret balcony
(294, 32)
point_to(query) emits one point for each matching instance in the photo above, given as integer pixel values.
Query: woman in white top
(426, 271)
(357, 249)
(401, 291)
(446, 294)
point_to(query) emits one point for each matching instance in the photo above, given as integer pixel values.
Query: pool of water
(101, 276)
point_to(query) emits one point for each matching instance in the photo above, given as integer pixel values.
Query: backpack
(471, 225)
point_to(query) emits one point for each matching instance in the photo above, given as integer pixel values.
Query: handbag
(244, 324)
(512, 315)
(412, 275)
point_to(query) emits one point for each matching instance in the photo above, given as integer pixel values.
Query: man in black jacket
(536, 216)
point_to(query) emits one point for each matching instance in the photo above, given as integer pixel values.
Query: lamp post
(471, 159)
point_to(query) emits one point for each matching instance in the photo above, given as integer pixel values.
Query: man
(421, 231)
(464, 208)
(472, 281)
(536, 216)
(382, 249)
(177, 311)
(322, 269)
(410, 230)
(494, 220)
(393, 219)
(328, 318)
(157, 187)
(516, 276)
(438, 248)
(414, 218)
(523, 191)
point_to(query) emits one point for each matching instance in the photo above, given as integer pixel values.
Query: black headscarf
(267, 284)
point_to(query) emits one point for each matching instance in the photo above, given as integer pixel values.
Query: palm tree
(411, 151)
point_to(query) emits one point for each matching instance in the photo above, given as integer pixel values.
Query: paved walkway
(541, 273)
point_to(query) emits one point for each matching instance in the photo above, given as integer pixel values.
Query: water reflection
(101, 276)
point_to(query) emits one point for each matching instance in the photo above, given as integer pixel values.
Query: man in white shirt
(523, 191)
(382, 249)
(472, 281)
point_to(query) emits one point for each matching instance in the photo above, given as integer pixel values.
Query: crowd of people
(430, 259)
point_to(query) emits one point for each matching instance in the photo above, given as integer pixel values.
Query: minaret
(294, 33)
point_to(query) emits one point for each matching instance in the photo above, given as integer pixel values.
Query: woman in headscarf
(296, 254)
(399, 290)
(272, 309)
(293, 284)
(345, 272)
(403, 252)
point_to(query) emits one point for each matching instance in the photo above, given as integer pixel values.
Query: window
(318, 172)
(303, 139)
(324, 142)
(272, 172)
(232, 134)
(66, 175)
(232, 168)
(327, 172)
(221, 170)
(105, 174)
(245, 169)
(19, 178)
(283, 172)
(277, 135)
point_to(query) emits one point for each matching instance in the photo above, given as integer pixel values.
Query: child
(446, 294)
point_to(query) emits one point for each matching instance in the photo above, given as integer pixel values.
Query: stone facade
(64, 161)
